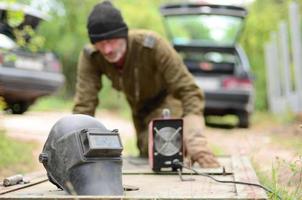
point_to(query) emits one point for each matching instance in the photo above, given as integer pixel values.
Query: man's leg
(141, 136)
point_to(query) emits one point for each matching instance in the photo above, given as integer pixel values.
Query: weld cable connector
(177, 164)
(233, 182)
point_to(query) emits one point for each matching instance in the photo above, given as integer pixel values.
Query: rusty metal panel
(137, 173)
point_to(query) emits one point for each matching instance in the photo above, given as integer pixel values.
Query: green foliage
(264, 17)
(2, 103)
(27, 38)
(66, 34)
(136, 12)
(15, 18)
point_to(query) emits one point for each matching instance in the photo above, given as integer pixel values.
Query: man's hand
(196, 144)
(208, 160)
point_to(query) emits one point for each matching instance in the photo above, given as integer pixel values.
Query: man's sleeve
(87, 87)
(179, 80)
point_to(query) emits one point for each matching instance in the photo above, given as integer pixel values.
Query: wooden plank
(245, 173)
(134, 165)
(167, 186)
(161, 186)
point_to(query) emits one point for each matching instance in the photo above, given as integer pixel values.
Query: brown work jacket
(152, 71)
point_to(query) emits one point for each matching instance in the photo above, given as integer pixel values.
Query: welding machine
(165, 142)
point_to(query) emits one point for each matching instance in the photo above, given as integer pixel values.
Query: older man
(151, 74)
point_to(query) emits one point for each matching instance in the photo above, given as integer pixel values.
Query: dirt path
(256, 142)
(35, 126)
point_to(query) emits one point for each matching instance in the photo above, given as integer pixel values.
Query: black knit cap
(106, 22)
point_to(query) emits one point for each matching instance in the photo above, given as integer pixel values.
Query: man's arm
(181, 84)
(179, 80)
(87, 87)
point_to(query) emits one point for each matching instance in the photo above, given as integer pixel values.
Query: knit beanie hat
(106, 22)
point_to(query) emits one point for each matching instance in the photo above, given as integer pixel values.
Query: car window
(211, 62)
(6, 42)
(204, 29)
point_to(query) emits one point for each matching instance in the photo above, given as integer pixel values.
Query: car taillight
(52, 63)
(55, 66)
(237, 83)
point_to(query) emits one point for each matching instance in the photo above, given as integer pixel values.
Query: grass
(15, 156)
(217, 150)
(113, 100)
(109, 99)
(50, 103)
(260, 117)
(130, 148)
(228, 119)
(289, 141)
(285, 180)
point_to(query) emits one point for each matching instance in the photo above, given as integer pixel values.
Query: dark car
(24, 75)
(206, 36)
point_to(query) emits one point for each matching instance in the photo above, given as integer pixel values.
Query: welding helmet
(82, 157)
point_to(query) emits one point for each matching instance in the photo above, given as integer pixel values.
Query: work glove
(195, 143)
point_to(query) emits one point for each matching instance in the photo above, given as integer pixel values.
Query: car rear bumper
(25, 84)
(228, 102)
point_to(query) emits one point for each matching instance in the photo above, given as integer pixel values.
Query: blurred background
(65, 34)
(274, 140)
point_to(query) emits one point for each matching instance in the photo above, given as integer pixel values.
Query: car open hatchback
(206, 37)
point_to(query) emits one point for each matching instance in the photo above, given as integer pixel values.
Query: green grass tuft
(290, 189)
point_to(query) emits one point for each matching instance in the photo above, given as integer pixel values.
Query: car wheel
(18, 107)
(244, 120)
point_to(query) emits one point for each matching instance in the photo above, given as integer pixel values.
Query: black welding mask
(82, 157)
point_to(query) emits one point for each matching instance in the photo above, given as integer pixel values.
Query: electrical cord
(179, 164)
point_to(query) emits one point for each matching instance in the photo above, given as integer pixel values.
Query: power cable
(179, 164)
